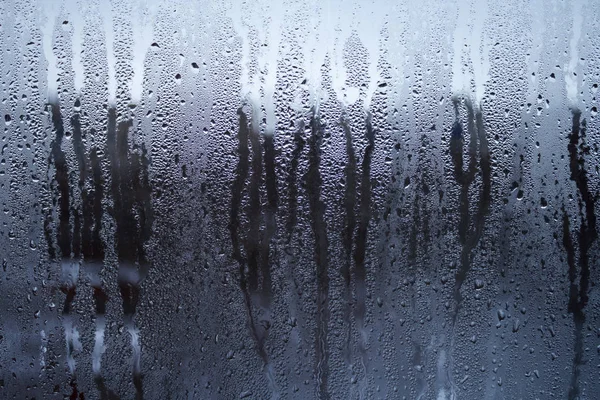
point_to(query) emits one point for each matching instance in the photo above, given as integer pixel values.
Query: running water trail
(587, 235)
(348, 234)
(364, 217)
(69, 266)
(470, 44)
(317, 208)
(578, 148)
(470, 229)
(252, 252)
(133, 215)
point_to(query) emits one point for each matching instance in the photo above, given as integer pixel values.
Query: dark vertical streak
(111, 150)
(426, 230)
(135, 192)
(348, 232)
(456, 151)
(456, 145)
(55, 154)
(63, 236)
(131, 198)
(111, 147)
(75, 394)
(241, 174)
(105, 393)
(578, 315)
(79, 213)
(252, 242)
(127, 232)
(570, 249)
(76, 234)
(97, 252)
(87, 247)
(588, 233)
(470, 231)
(48, 236)
(363, 226)
(101, 298)
(319, 228)
(578, 296)
(143, 198)
(270, 216)
(413, 243)
(486, 178)
(70, 290)
(93, 212)
(79, 149)
(62, 180)
(145, 210)
(93, 246)
(137, 383)
(299, 143)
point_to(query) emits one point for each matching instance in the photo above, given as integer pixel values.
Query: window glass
(333, 199)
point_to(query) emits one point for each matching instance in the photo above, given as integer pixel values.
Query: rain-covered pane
(316, 199)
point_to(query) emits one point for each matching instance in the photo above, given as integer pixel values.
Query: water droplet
(501, 314)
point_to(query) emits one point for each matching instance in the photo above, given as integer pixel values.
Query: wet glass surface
(299, 200)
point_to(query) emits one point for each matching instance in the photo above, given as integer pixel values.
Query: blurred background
(299, 200)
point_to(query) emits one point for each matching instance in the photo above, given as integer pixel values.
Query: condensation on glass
(299, 199)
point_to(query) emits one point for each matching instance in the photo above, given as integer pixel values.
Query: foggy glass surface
(332, 199)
